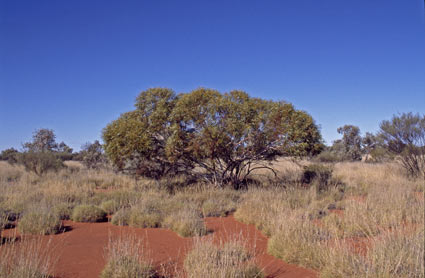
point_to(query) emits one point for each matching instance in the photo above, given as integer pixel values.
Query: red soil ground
(80, 251)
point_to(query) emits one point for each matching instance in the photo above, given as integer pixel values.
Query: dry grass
(379, 205)
(126, 258)
(225, 260)
(29, 258)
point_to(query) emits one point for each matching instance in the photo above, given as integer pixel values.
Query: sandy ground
(80, 252)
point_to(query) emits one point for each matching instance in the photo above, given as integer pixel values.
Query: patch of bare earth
(80, 252)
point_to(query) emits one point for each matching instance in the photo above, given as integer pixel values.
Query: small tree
(40, 162)
(404, 136)
(351, 142)
(40, 154)
(92, 155)
(43, 140)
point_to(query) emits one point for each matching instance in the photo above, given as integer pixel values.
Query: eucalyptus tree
(226, 136)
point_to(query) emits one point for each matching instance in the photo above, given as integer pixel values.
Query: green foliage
(136, 141)
(40, 162)
(88, 213)
(39, 223)
(227, 135)
(404, 136)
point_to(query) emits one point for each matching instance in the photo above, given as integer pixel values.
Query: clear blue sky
(74, 66)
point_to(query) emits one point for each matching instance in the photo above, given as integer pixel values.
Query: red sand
(80, 251)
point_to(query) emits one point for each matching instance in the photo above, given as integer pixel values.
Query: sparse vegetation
(343, 219)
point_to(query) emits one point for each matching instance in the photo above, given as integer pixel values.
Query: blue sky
(74, 66)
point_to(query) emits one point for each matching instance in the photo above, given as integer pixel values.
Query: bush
(63, 210)
(404, 137)
(217, 207)
(226, 260)
(186, 223)
(40, 162)
(88, 213)
(144, 219)
(318, 175)
(39, 223)
(110, 206)
(10, 155)
(121, 217)
(329, 157)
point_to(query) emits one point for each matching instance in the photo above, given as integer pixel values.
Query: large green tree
(228, 136)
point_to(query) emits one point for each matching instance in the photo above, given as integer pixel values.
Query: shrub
(145, 219)
(92, 155)
(217, 207)
(404, 137)
(186, 223)
(318, 175)
(226, 260)
(329, 157)
(63, 210)
(126, 259)
(39, 223)
(9, 155)
(109, 206)
(88, 213)
(121, 217)
(40, 162)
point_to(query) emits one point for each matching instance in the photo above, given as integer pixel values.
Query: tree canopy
(227, 135)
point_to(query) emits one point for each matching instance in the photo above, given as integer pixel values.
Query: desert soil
(80, 252)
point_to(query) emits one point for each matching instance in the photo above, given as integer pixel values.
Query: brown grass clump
(126, 258)
(226, 260)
